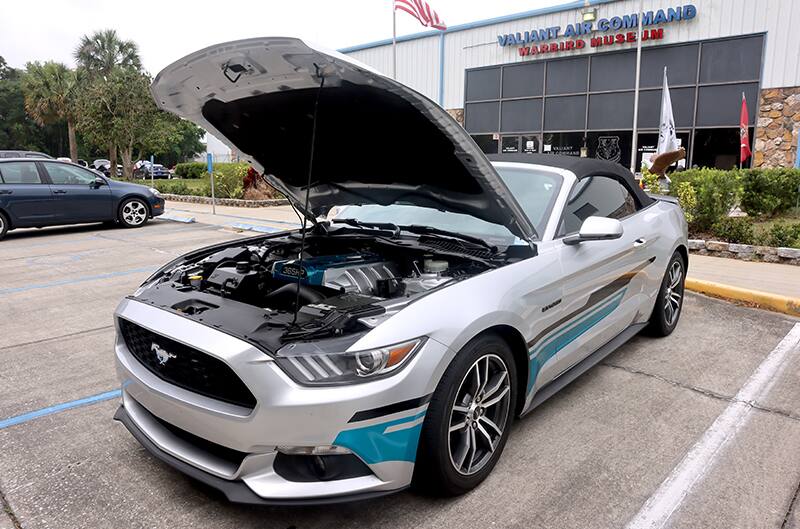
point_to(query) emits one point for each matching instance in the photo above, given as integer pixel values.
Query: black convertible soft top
(582, 168)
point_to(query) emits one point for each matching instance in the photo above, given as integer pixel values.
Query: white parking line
(658, 509)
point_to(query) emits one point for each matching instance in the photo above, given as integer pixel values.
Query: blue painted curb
(25, 417)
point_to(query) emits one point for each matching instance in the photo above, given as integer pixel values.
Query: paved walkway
(766, 277)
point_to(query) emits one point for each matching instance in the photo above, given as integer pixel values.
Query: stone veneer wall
(778, 126)
(458, 114)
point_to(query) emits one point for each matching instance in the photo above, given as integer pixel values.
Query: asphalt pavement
(712, 412)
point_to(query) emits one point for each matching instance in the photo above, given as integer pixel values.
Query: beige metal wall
(418, 60)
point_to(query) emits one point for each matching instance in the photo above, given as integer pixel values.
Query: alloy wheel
(479, 414)
(134, 213)
(674, 293)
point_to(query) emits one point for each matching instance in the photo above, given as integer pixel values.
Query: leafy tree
(50, 93)
(118, 109)
(184, 143)
(17, 129)
(98, 56)
(103, 51)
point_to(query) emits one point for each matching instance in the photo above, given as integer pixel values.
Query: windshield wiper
(361, 224)
(430, 230)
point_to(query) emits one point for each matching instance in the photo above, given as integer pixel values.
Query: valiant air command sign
(607, 32)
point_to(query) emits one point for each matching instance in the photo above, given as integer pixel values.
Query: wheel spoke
(459, 426)
(464, 448)
(461, 409)
(487, 436)
(495, 387)
(474, 445)
(483, 419)
(491, 402)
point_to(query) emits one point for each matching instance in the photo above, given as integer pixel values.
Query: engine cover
(351, 272)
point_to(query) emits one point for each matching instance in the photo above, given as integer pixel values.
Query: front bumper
(157, 206)
(379, 421)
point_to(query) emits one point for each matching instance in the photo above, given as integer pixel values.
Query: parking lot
(597, 454)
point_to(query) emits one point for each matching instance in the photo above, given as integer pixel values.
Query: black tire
(666, 313)
(3, 226)
(133, 213)
(436, 471)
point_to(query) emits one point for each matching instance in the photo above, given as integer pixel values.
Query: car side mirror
(596, 229)
(98, 181)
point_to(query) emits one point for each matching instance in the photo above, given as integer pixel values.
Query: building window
(530, 144)
(718, 148)
(568, 143)
(613, 146)
(647, 144)
(510, 144)
(487, 142)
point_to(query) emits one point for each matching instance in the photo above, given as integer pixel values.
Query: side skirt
(584, 365)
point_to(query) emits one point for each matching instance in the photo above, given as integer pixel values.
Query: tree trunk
(127, 163)
(73, 143)
(112, 156)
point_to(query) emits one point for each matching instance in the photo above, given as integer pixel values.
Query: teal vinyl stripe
(372, 445)
(570, 333)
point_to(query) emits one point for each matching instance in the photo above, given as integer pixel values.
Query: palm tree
(49, 91)
(100, 54)
(104, 50)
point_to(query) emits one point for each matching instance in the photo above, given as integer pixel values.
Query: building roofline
(576, 4)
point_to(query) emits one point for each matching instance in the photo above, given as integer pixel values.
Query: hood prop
(321, 74)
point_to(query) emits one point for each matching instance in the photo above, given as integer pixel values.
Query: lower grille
(185, 366)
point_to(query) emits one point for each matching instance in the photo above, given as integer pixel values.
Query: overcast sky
(166, 30)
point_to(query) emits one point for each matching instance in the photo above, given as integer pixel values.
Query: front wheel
(3, 226)
(669, 302)
(133, 213)
(468, 420)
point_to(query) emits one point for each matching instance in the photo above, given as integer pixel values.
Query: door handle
(59, 192)
(6, 192)
(639, 242)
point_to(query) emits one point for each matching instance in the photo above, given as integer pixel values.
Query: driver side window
(63, 174)
(595, 196)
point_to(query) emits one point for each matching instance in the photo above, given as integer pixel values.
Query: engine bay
(342, 284)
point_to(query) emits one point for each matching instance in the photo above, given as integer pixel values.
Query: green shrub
(767, 192)
(229, 179)
(687, 198)
(716, 191)
(175, 187)
(735, 229)
(651, 183)
(191, 170)
(783, 234)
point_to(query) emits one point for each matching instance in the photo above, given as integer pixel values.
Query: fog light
(325, 450)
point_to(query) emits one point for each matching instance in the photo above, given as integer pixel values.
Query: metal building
(561, 79)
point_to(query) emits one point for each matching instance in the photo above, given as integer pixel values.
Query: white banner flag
(667, 141)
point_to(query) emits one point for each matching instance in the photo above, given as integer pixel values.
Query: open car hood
(377, 141)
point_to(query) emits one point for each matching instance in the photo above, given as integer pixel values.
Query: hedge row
(760, 193)
(200, 169)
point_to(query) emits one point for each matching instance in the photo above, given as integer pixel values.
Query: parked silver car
(394, 342)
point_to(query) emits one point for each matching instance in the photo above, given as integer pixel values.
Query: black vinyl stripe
(594, 298)
(390, 408)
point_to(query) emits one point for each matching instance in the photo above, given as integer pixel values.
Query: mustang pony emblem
(162, 355)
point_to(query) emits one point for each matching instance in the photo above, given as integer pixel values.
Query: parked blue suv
(40, 192)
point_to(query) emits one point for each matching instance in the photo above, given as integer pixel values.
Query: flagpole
(394, 42)
(636, 89)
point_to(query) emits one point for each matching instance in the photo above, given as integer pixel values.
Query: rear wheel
(669, 302)
(3, 226)
(133, 213)
(468, 420)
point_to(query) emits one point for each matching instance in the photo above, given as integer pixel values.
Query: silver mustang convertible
(434, 297)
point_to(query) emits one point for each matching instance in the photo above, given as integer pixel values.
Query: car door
(603, 281)
(24, 195)
(77, 195)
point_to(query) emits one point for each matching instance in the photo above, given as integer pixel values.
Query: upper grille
(185, 366)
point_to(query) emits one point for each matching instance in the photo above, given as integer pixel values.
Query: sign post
(210, 160)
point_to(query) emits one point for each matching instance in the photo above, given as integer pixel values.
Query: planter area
(236, 202)
(745, 252)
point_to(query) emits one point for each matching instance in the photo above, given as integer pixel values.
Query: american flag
(422, 12)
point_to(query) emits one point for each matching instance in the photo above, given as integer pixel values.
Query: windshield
(535, 191)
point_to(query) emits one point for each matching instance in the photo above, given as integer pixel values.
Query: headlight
(320, 368)
(155, 192)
